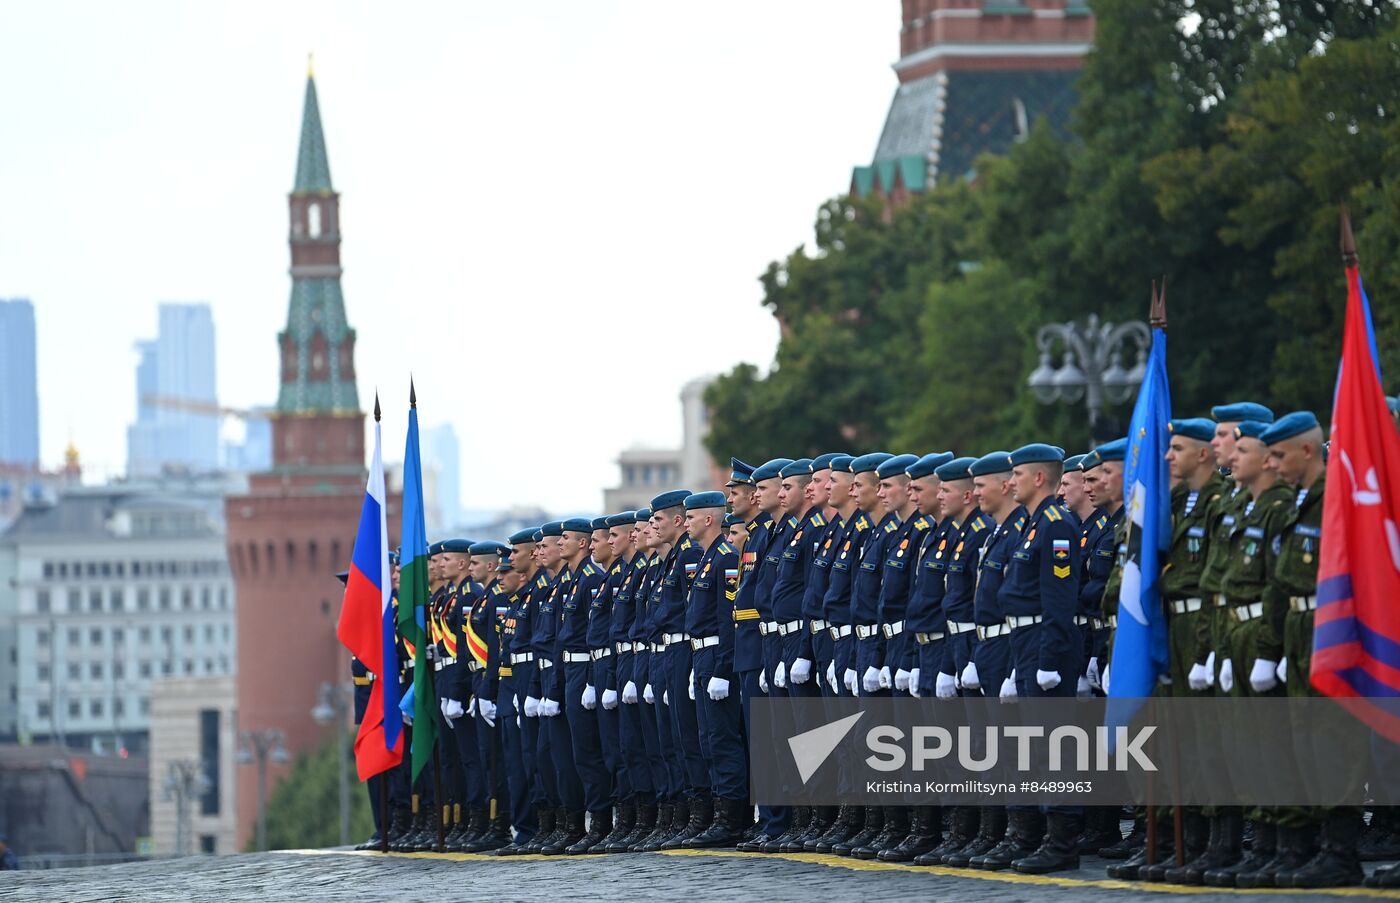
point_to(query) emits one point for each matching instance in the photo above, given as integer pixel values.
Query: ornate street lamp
(1092, 363)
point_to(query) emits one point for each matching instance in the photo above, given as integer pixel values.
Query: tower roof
(313, 167)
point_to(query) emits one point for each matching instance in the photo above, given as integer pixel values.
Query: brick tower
(295, 528)
(973, 76)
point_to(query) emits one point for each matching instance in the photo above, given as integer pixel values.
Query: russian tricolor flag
(366, 627)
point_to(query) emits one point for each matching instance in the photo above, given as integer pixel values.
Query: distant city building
(177, 417)
(443, 453)
(647, 472)
(254, 452)
(973, 77)
(103, 592)
(19, 386)
(194, 742)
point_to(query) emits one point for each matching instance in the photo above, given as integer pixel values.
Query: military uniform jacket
(363, 681)
(865, 585)
(959, 554)
(451, 681)
(514, 630)
(1042, 578)
(710, 604)
(748, 644)
(991, 568)
(576, 604)
(470, 595)
(546, 625)
(488, 616)
(651, 598)
(624, 613)
(795, 564)
(1186, 560)
(645, 566)
(1253, 544)
(1294, 574)
(604, 605)
(819, 575)
(924, 613)
(1221, 518)
(1097, 552)
(837, 602)
(781, 533)
(900, 563)
(680, 568)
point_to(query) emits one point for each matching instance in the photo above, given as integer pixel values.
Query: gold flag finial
(310, 66)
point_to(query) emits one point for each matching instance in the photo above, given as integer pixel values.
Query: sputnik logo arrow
(811, 748)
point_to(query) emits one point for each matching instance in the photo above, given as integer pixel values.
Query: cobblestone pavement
(306, 875)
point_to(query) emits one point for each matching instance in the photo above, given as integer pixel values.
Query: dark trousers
(1026, 659)
(931, 657)
(535, 739)
(557, 752)
(870, 653)
(609, 730)
(772, 820)
(471, 773)
(667, 745)
(634, 750)
(517, 762)
(823, 654)
(586, 742)
(685, 724)
(722, 720)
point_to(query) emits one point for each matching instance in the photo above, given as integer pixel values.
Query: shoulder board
(1053, 514)
(818, 520)
(978, 524)
(792, 522)
(1103, 519)
(1020, 522)
(685, 543)
(567, 577)
(921, 524)
(589, 570)
(891, 527)
(725, 548)
(616, 569)
(496, 589)
(862, 523)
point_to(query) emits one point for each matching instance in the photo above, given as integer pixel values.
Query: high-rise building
(294, 528)
(974, 75)
(443, 453)
(177, 422)
(19, 386)
(647, 472)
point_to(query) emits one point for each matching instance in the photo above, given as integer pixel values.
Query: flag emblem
(1060, 547)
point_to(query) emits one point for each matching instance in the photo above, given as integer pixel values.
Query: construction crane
(198, 406)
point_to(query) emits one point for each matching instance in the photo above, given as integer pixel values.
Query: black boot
(1127, 846)
(1130, 869)
(845, 827)
(991, 830)
(478, 824)
(407, 829)
(645, 823)
(1198, 862)
(623, 825)
(1100, 829)
(573, 832)
(1291, 850)
(702, 815)
(600, 825)
(817, 825)
(962, 829)
(1389, 876)
(797, 825)
(400, 826)
(1337, 863)
(548, 826)
(495, 836)
(1195, 831)
(895, 829)
(665, 812)
(1380, 841)
(723, 831)
(1058, 852)
(1261, 851)
(925, 832)
(870, 829)
(1024, 831)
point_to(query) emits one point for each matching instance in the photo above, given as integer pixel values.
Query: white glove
(471, 708)
(914, 683)
(780, 676)
(532, 707)
(1083, 688)
(970, 678)
(442, 706)
(1008, 687)
(1048, 680)
(1164, 679)
(901, 679)
(831, 677)
(590, 697)
(1199, 678)
(609, 699)
(407, 718)
(690, 685)
(1227, 675)
(886, 681)
(945, 685)
(488, 712)
(1282, 670)
(1210, 670)
(454, 710)
(763, 680)
(849, 679)
(629, 693)
(648, 695)
(1091, 673)
(665, 697)
(1105, 679)
(801, 671)
(517, 719)
(1263, 677)
(549, 708)
(870, 680)
(718, 688)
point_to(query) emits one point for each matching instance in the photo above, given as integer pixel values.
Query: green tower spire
(313, 167)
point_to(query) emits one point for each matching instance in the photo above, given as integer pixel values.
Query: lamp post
(259, 746)
(1092, 363)
(331, 707)
(185, 781)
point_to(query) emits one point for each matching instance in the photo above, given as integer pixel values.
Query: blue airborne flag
(1140, 646)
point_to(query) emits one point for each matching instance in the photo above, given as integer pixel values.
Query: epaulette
(1020, 522)
(542, 582)
(496, 589)
(862, 523)
(792, 522)
(1053, 514)
(921, 524)
(685, 543)
(891, 527)
(818, 520)
(725, 548)
(978, 524)
(567, 577)
(1103, 519)
(616, 568)
(589, 570)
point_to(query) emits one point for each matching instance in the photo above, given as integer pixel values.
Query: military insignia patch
(1060, 548)
(1061, 571)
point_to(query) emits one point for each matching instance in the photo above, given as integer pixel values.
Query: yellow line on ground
(862, 865)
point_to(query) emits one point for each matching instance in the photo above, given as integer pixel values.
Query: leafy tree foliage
(303, 809)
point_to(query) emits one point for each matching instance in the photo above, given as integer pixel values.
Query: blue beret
(842, 463)
(732, 519)
(739, 472)
(537, 535)
(394, 558)
(460, 546)
(578, 525)
(895, 466)
(770, 469)
(1074, 461)
(643, 515)
(706, 500)
(802, 467)
(1290, 425)
(988, 464)
(1242, 410)
(490, 547)
(520, 537)
(503, 568)
(868, 463)
(955, 469)
(621, 519)
(1116, 450)
(823, 462)
(600, 523)
(553, 528)
(928, 464)
(1037, 453)
(669, 499)
(1251, 429)
(435, 549)
(1202, 429)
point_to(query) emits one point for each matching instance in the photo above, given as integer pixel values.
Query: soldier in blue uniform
(1103, 483)
(603, 676)
(452, 681)
(1039, 596)
(516, 665)
(636, 691)
(819, 642)
(875, 679)
(482, 628)
(562, 791)
(710, 607)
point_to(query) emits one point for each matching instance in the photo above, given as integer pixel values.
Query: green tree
(303, 809)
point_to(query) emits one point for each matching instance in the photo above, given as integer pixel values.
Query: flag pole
(439, 801)
(1153, 311)
(385, 816)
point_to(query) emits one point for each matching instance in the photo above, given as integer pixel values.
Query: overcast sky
(554, 213)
